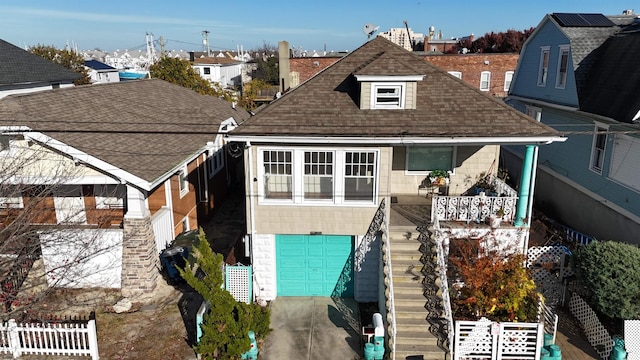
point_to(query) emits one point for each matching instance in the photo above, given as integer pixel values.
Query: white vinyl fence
(49, 339)
(632, 339)
(485, 339)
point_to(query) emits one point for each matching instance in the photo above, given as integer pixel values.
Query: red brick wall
(471, 65)
(309, 66)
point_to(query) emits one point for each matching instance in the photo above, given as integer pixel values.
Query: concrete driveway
(314, 328)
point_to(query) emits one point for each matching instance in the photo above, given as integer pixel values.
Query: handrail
(392, 306)
(448, 312)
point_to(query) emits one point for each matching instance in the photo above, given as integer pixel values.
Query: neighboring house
(221, 70)
(128, 166)
(578, 73)
(369, 128)
(490, 72)
(23, 72)
(100, 72)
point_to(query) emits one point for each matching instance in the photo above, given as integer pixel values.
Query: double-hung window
(278, 174)
(508, 77)
(387, 96)
(534, 112)
(457, 74)
(544, 66)
(109, 196)
(485, 80)
(317, 176)
(359, 175)
(183, 181)
(598, 148)
(563, 64)
(423, 159)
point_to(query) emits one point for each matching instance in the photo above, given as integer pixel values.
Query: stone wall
(140, 261)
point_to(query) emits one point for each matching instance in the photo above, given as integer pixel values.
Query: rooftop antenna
(369, 29)
(205, 42)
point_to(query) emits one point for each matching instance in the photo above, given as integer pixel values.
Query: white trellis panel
(632, 339)
(485, 339)
(596, 333)
(238, 281)
(474, 340)
(520, 341)
(546, 266)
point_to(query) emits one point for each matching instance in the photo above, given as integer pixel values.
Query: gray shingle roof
(18, 66)
(328, 104)
(144, 127)
(613, 84)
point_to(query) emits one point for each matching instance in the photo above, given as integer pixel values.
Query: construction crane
(406, 25)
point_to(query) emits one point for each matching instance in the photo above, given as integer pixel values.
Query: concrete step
(402, 245)
(401, 288)
(415, 337)
(419, 351)
(412, 324)
(406, 278)
(405, 256)
(410, 311)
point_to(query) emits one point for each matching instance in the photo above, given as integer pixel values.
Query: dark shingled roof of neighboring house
(18, 66)
(328, 104)
(145, 127)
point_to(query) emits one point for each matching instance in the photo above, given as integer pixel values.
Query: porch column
(140, 260)
(525, 186)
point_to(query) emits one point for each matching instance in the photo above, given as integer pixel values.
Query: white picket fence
(485, 339)
(49, 339)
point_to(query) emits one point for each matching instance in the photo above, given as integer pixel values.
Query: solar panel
(582, 20)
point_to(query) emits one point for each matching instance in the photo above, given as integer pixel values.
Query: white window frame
(11, 202)
(596, 162)
(399, 86)
(183, 181)
(486, 74)
(216, 161)
(263, 174)
(561, 81)
(320, 168)
(298, 175)
(508, 78)
(456, 74)
(534, 112)
(543, 69)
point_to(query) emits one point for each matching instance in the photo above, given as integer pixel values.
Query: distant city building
(402, 37)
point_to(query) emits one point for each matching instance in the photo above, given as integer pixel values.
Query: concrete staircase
(413, 337)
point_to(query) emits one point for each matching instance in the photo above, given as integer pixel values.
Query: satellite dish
(369, 29)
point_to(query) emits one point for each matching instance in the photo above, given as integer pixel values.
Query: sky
(311, 25)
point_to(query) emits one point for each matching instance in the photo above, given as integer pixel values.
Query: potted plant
(439, 177)
(485, 185)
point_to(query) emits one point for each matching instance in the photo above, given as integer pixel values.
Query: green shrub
(611, 273)
(226, 326)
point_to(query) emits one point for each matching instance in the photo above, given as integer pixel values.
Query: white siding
(625, 161)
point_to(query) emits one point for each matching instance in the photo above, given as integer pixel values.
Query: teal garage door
(314, 265)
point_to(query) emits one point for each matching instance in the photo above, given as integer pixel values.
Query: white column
(136, 204)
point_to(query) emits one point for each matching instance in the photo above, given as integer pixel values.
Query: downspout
(252, 221)
(534, 172)
(525, 186)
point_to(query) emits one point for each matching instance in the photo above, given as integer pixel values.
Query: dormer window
(388, 92)
(388, 96)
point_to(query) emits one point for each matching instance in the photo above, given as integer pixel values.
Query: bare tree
(48, 219)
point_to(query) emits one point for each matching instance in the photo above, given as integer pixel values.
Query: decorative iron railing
(446, 301)
(472, 208)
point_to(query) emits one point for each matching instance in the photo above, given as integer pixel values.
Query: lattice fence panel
(238, 282)
(597, 334)
(632, 339)
(547, 267)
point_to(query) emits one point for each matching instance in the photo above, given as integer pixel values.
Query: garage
(314, 265)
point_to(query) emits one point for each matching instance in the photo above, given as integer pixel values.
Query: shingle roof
(18, 66)
(613, 83)
(328, 105)
(585, 42)
(145, 127)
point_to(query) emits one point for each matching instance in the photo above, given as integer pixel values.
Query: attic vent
(315, 63)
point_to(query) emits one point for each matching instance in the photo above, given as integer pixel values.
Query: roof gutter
(542, 103)
(401, 140)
